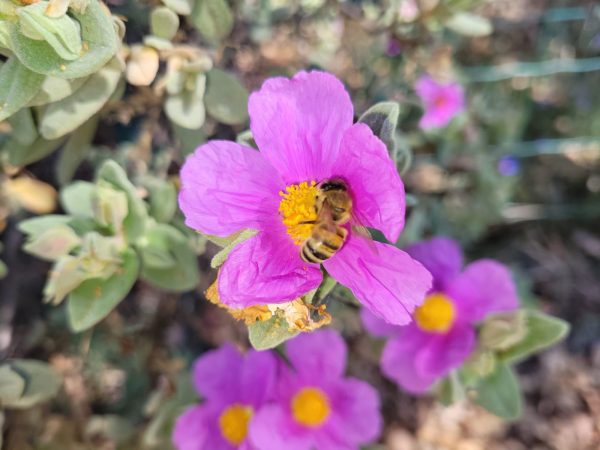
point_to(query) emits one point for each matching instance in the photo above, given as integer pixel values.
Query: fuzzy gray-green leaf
(213, 19)
(500, 394)
(270, 333)
(18, 85)
(226, 99)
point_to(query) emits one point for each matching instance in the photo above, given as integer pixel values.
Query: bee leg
(307, 222)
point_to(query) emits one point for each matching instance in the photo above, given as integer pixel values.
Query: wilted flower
(315, 407)
(234, 388)
(304, 130)
(442, 102)
(443, 334)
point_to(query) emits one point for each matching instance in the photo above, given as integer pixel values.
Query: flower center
(298, 207)
(310, 407)
(233, 423)
(436, 314)
(440, 101)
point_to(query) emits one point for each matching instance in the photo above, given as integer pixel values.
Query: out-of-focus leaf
(12, 385)
(221, 257)
(157, 43)
(110, 426)
(183, 7)
(37, 225)
(183, 275)
(186, 108)
(226, 99)
(142, 65)
(94, 299)
(470, 24)
(63, 33)
(189, 140)
(245, 138)
(110, 206)
(270, 333)
(543, 331)
(68, 114)
(500, 394)
(41, 382)
(503, 331)
(24, 130)
(33, 195)
(18, 85)
(162, 199)
(382, 119)
(53, 243)
(98, 33)
(21, 155)
(74, 151)
(213, 19)
(164, 23)
(135, 222)
(54, 89)
(450, 390)
(76, 198)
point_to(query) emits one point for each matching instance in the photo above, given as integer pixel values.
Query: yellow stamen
(436, 314)
(233, 423)
(297, 207)
(310, 407)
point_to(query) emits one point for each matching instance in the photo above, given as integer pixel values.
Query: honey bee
(333, 206)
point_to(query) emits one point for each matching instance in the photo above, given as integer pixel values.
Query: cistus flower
(315, 407)
(442, 102)
(443, 333)
(234, 387)
(303, 128)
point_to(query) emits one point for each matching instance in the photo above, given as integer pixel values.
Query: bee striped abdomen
(323, 244)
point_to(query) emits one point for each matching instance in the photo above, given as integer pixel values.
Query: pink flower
(443, 334)
(304, 130)
(315, 407)
(442, 102)
(234, 387)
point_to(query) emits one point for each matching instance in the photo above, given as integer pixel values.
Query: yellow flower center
(436, 314)
(310, 407)
(297, 207)
(233, 423)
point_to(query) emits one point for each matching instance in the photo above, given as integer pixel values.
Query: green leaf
(21, 155)
(179, 277)
(213, 19)
(70, 113)
(220, 257)
(164, 23)
(37, 225)
(23, 130)
(500, 394)
(12, 385)
(94, 299)
(450, 390)
(543, 331)
(189, 140)
(226, 99)
(75, 150)
(41, 382)
(469, 24)
(54, 89)
(247, 139)
(186, 108)
(270, 333)
(135, 222)
(183, 7)
(61, 33)
(18, 85)
(53, 243)
(162, 198)
(382, 119)
(76, 198)
(97, 32)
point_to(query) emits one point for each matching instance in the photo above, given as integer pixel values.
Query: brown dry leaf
(249, 315)
(33, 195)
(142, 66)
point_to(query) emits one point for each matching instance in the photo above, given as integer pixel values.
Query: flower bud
(110, 206)
(503, 331)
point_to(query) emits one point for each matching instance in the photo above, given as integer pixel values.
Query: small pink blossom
(442, 102)
(303, 128)
(443, 334)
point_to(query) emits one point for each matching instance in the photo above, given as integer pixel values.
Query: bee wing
(359, 229)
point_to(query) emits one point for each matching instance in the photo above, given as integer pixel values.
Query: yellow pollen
(233, 423)
(436, 314)
(310, 407)
(298, 206)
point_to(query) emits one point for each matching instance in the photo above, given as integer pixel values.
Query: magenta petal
(216, 373)
(398, 360)
(266, 269)
(321, 352)
(378, 192)
(376, 326)
(272, 429)
(193, 430)
(484, 287)
(445, 352)
(384, 278)
(258, 378)
(226, 187)
(441, 256)
(298, 124)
